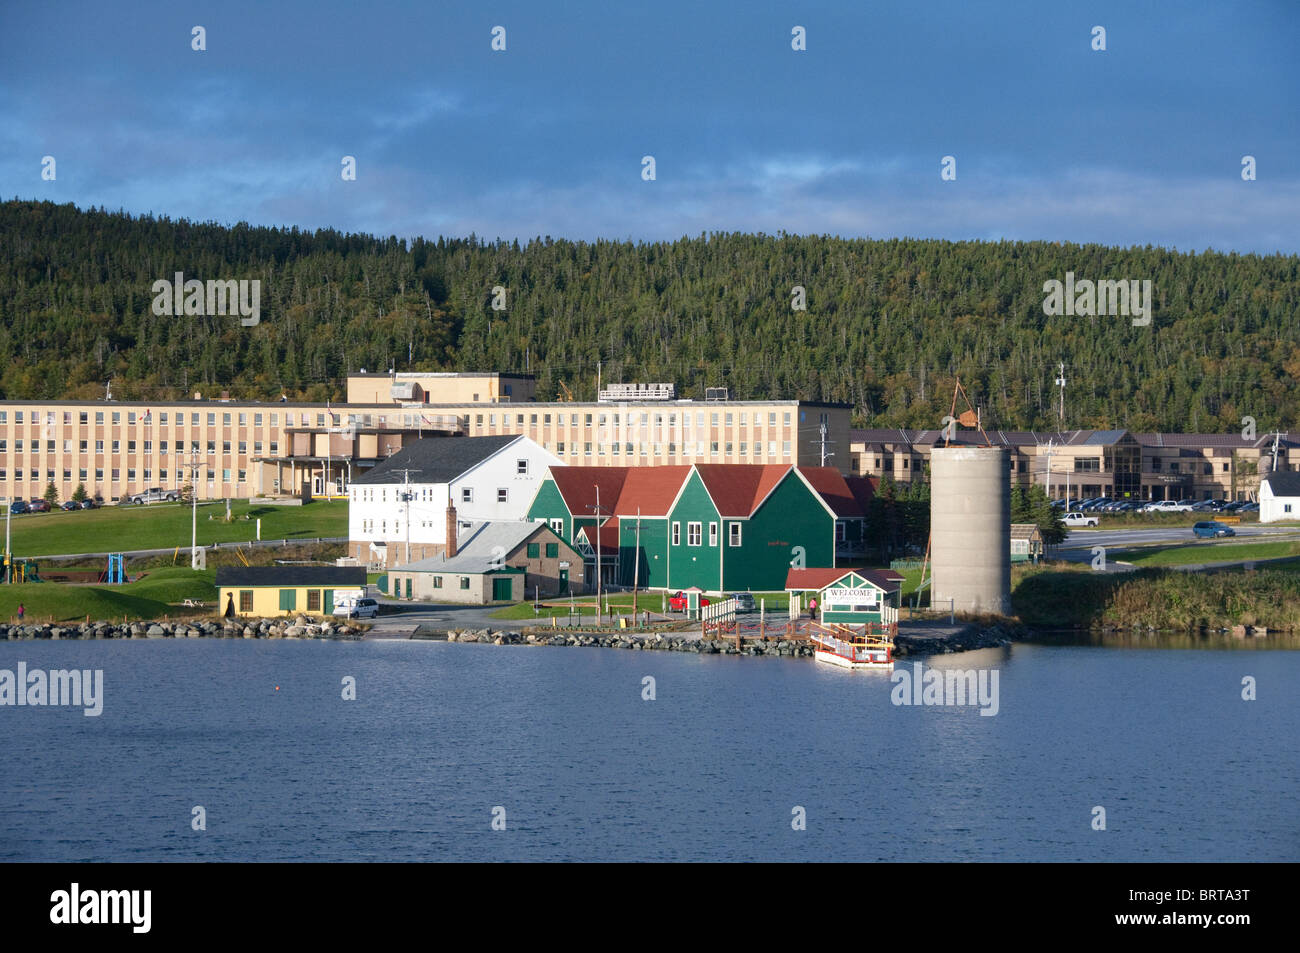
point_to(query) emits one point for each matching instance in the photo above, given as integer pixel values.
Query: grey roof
(886, 438)
(437, 459)
(353, 577)
(476, 545)
(1284, 483)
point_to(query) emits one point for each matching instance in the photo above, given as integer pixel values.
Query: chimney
(451, 532)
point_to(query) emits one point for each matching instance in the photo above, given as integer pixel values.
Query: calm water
(586, 770)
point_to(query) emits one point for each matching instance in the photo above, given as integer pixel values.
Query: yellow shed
(264, 591)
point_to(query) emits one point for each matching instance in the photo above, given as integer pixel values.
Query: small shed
(1026, 542)
(1279, 497)
(501, 561)
(265, 591)
(848, 596)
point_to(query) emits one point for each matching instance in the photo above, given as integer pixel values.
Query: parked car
(1169, 506)
(1079, 519)
(745, 602)
(361, 609)
(1212, 528)
(89, 504)
(677, 601)
(38, 506)
(156, 495)
(1249, 508)
(69, 505)
(18, 507)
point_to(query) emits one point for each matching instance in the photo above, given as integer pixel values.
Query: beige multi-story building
(242, 449)
(443, 387)
(1084, 464)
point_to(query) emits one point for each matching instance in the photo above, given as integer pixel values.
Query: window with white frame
(693, 533)
(733, 534)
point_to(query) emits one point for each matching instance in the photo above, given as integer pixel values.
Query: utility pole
(406, 499)
(1060, 382)
(598, 380)
(596, 544)
(824, 453)
(9, 516)
(636, 566)
(1049, 472)
(194, 508)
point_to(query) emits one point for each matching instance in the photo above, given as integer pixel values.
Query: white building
(1279, 497)
(398, 512)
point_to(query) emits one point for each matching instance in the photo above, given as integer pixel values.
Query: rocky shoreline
(299, 628)
(657, 642)
(966, 638)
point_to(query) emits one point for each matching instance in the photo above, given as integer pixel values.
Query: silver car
(361, 609)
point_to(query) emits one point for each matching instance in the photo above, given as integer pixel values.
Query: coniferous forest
(889, 324)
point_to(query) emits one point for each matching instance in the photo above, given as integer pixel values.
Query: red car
(677, 602)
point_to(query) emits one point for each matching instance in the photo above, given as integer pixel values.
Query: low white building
(398, 512)
(1279, 497)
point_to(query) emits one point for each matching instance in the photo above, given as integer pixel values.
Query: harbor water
(480, 752)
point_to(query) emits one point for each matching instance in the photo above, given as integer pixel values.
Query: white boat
(855, 649)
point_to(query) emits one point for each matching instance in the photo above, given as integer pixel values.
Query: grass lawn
(161, 525)
(161, 592)
(1206, 552)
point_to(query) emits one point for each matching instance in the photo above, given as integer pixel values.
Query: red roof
(818, 579)
(577, 486)
(737, 489)
(863, 489)
(831, 487)
(608, 535)
(653, 489)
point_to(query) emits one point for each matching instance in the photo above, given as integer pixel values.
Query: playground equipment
(115, 572)
(20, 570)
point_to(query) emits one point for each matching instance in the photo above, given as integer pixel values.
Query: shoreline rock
(299, 628)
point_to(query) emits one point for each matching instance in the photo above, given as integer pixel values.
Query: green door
(328, 604)
(408, 587)
(564, 581)
(502, 590)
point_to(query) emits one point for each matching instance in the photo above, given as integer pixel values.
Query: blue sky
(1140, 144)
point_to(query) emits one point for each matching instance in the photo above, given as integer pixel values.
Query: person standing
(21, 612)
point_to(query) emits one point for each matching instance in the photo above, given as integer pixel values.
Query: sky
(1141, 143)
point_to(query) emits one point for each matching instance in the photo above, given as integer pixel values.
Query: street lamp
(194, 509)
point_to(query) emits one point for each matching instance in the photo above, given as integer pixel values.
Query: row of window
(634, 419)
(694, 533)
(645, 449)
(82, 474)
(83, 446)
(115, 417)
(1081, 465)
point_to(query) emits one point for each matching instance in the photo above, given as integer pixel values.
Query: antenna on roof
(1060, 382)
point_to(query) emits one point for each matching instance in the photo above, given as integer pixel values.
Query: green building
(721, 527)
(847, 596)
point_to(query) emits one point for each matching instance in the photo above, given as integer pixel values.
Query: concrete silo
(970, 528)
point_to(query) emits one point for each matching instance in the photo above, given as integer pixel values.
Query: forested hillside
(888, 325)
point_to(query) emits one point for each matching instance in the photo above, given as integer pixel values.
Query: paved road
(1078, 547)
(400, 618)
(185, 547)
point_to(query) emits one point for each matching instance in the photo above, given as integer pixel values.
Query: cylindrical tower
(970, 529)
